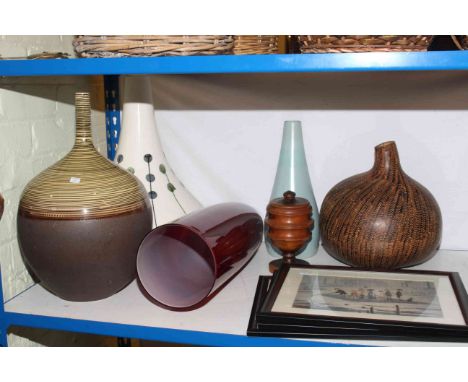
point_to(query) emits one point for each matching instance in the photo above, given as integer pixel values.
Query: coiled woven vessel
(382, 218)
(362, 43)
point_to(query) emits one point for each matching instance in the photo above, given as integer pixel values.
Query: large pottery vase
(381, 219)
(140, 152)
(80, 221)
(292, 174)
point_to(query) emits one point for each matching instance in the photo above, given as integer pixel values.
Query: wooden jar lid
(289, 205)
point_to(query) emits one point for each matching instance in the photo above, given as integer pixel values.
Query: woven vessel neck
(387, 163)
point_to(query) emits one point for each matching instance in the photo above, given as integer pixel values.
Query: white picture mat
(447, 299)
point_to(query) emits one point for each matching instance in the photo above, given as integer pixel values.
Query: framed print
(342, 302)
(259, 329)
(256, 328)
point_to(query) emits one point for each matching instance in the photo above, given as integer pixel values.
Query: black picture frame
(266, 322)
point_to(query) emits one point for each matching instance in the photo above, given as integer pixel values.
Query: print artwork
(390, 297)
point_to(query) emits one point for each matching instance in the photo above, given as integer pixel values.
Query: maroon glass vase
(182, 264)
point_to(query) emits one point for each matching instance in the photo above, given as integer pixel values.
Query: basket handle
(456, 42)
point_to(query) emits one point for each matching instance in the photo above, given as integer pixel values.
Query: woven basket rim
(151, 45)
(377, 43)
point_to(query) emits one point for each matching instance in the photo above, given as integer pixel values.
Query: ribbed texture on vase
(83, 118)
(83, 184)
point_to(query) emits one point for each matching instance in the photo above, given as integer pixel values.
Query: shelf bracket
(112, 102)
(3, 318)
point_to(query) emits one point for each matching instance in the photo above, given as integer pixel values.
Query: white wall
(36, 130)
(23, 46)
(222, 133)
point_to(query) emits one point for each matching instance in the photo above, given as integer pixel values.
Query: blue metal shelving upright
(112, 104)
(3, 318)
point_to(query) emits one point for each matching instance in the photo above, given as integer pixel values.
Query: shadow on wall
(289, 91)
(314, 91)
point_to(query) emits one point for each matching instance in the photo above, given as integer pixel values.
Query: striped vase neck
(84, 184)
(83, 136)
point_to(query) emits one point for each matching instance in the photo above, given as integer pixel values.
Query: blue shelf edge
(187, 337)
(180, 336)
(276, 63)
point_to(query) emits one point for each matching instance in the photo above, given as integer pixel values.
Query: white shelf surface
(226, 313)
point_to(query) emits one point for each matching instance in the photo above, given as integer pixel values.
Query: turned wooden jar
(382, 218)
(289, 226)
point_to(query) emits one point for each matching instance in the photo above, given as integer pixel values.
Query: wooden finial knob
(289, 196)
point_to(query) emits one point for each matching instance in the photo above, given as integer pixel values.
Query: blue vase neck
(292, 170)
(292, 149)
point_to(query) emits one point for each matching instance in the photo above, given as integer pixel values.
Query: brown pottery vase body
(80, 221)
(381, 219)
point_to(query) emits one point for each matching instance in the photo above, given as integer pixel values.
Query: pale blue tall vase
(293, 174)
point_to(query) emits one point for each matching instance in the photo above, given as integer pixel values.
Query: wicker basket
(121, 46)
(461, 42)
(255, 44)
(348, 44)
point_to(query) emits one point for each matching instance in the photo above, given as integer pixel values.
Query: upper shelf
(277, 63)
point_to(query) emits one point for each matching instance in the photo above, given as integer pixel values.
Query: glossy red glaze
(182, 263)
